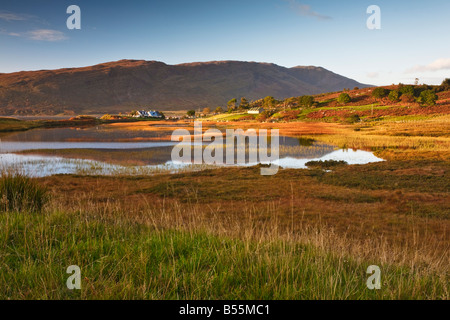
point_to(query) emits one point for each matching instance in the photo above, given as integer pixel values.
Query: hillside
(128, 84)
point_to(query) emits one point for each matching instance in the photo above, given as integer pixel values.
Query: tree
(264, 116)
(394, 96)
(232, 103)
(191, 113)
(291, 102)
(445, 84)
(218, 110)
(269, 102)
(407, 90)
(380, 93)
(427, 97)
(344, 98)
(244, 103)
(206, 110)
(306, 101)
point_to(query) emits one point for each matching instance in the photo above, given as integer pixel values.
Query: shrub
(379, 93)
(306, 101)
(290, 115)
(419, 89)
(406, 98)
(264, 116)
(394, 96)
(444, 86)
(407, 90)
(353, 119)
(427, 97)
(344, 98)
(106, 117)
(21, 193)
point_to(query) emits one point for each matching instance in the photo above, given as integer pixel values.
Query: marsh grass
(178, 252)
(146, 238)
(20, 193)
(327, 164)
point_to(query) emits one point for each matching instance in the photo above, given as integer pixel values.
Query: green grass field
(124, 260)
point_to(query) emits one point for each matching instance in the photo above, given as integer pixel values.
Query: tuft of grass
(327, 164)
(21, 193)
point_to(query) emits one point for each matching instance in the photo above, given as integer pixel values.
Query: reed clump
(19, 193)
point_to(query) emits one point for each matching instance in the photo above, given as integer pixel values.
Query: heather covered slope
(119, 86)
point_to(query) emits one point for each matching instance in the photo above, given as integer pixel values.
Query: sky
(413, 42)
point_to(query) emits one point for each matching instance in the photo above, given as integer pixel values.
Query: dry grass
(354, 206)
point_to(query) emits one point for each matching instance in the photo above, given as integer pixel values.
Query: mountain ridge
(129, 84)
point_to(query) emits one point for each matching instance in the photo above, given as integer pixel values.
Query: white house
(148, 114)
(255, 111)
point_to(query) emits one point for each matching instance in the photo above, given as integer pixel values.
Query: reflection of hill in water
(54, 142)
(96, 133)
(297, 148)
(317, 150)
(303, 148)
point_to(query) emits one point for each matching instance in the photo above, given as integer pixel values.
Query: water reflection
(100, 150)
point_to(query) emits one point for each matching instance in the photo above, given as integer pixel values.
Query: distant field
(227, 117)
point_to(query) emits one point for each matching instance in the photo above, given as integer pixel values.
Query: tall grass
(173, 256)
(21, 194)
(182, 251)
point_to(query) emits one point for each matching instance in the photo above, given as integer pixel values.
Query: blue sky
(414, 40)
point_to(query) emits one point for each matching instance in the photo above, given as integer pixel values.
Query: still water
(102, 151)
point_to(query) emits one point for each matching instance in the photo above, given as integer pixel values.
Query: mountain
(131, 84)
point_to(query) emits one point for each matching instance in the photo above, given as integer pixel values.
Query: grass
(402, 140)
(327, 164)
(12, 124)
(20, 193)
(209, 235)
(226, 117)
(122, 259)
(230, 233)
(129, 157)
